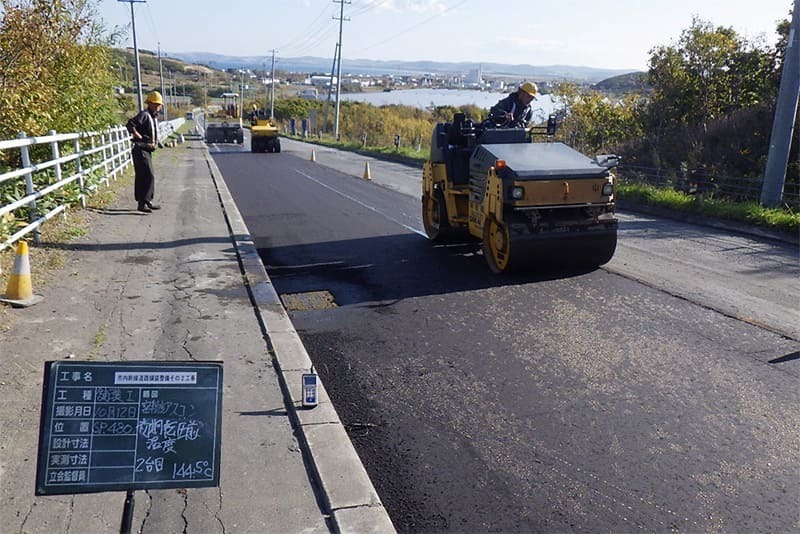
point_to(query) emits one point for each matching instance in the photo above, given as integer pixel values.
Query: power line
(311, 31)
(314, 35)
(313, 41)
(415, 26)
(369, 6)
(151, 21)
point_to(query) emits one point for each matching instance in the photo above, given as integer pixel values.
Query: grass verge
(750, 212)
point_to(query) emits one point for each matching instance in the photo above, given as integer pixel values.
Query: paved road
(160, 287)
(641, 396)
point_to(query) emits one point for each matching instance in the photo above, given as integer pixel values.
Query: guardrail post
(79, 165)
(112, 147)
(56, 155)
(92, 143)
(105, 156)
(26, 163)
(126, 145)
(119, 158)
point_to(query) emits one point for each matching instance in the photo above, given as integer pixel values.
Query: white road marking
(360, 203)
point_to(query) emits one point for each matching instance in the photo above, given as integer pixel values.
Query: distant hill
(624, 83)
(374, 67)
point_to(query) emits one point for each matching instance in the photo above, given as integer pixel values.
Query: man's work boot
(143, 207)
(153, 206)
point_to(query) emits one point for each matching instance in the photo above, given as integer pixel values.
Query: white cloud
(413, 6)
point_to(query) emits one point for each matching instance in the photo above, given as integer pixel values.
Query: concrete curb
(347, 491)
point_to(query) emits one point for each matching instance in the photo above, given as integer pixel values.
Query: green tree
(709, 74)
(55, 71)
(297, 108)
(594, 123)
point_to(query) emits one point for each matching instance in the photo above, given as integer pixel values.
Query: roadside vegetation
(750, 212)
(55, 71)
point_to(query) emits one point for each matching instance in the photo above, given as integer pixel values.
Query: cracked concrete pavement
(182, 283)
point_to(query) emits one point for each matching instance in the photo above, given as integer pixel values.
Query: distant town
(352, 83)
(186, 81)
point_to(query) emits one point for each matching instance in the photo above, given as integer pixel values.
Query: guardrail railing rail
(85, 160)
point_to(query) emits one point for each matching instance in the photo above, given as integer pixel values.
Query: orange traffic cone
(367, 175)
(19, 292)
(313, 155)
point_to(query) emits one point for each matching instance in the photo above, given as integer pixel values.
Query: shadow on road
(390, 267)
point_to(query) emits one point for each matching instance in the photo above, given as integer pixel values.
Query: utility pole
(264, 82)
(123, 75)
(785, 112)
(161, 75)
(272, 87)
(136, 52)
(341, 20)
(330, 88)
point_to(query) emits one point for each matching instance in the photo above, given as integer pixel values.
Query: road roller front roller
(530, 203)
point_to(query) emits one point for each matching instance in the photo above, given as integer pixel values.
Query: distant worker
(144, 130)
(514, 111)
(254, 116)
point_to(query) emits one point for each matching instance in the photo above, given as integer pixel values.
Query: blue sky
(598, 33)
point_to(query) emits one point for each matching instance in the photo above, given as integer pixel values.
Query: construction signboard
(111, 426)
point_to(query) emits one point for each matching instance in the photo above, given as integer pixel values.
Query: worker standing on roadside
(144, 130)
(514, 111)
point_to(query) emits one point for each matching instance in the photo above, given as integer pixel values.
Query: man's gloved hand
(500, 117)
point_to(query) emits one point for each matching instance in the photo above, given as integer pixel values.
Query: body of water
(426, 98)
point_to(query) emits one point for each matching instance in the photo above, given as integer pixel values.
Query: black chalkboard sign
(129, 425)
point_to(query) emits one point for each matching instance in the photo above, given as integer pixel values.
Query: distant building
(308, 94)
(322, 81)
(474, 78)
(357, 82)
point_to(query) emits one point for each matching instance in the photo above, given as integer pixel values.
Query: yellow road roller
(264, 132)
(530, 203)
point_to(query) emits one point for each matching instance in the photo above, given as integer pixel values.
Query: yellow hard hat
(154, 98)
(530, 88)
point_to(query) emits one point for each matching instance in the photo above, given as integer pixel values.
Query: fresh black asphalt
(548, 401)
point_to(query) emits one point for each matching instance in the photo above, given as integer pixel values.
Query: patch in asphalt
(307, 301)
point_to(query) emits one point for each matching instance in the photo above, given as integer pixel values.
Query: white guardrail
(92, 157)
